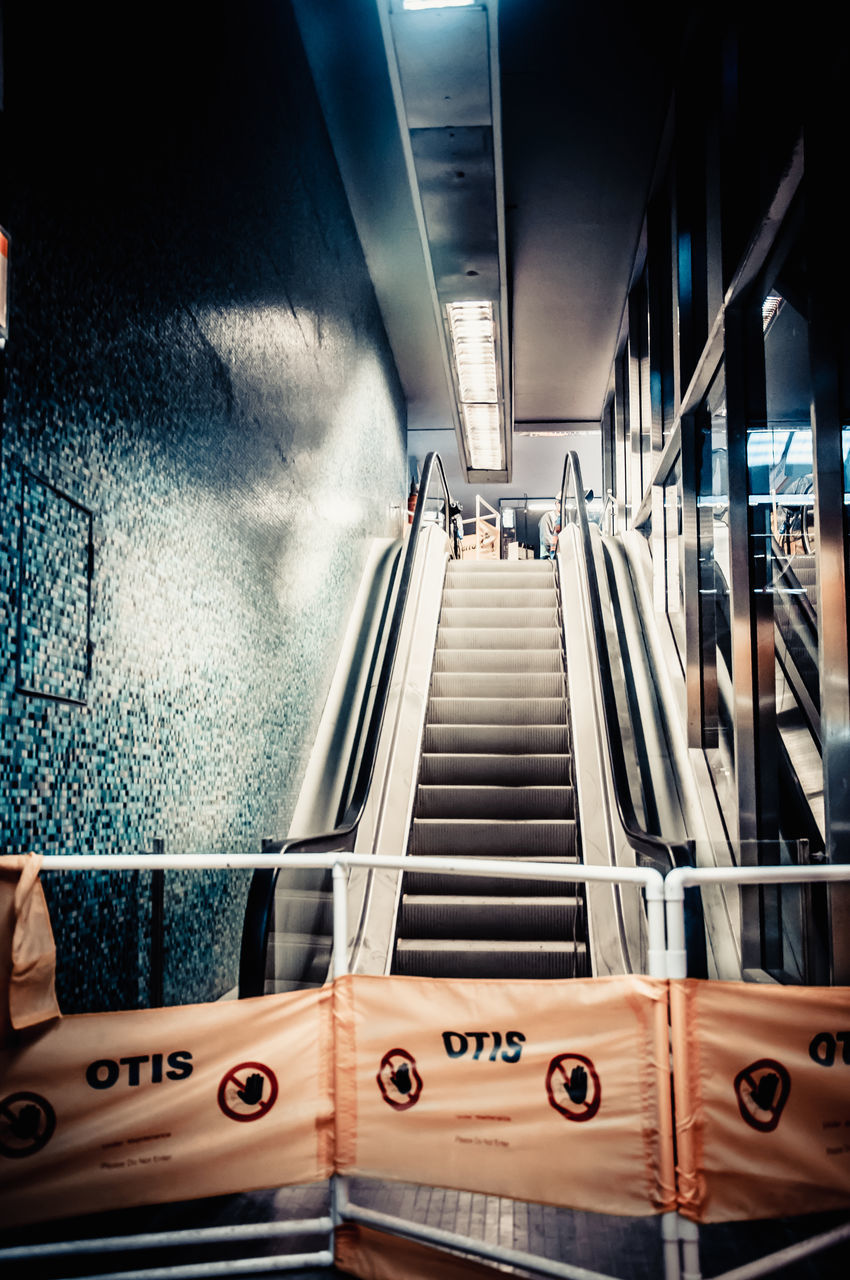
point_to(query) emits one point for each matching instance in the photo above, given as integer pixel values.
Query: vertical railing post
(677, 955)
(687, 1232)
(339, 1184)
(657, 964)
(340, 919)
(657, 958)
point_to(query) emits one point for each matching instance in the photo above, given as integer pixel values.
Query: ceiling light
(481, 429)
(473, 344)
(437, 4)
(770, 309)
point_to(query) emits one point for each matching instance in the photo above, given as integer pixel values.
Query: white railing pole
(677, 954)
(670, 1245)
(689, 1236)
(339, 1183)
(340, 919)
(657, 965)
(654, 893)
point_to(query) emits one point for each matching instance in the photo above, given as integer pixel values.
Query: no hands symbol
(398, 1080)
(27, 1122)
(762, 1090)
(573, 1087)
(248, 1091)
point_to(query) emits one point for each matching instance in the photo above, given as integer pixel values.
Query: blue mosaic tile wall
(195, 356)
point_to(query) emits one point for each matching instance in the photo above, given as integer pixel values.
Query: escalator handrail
(257, 922)
(661, 852)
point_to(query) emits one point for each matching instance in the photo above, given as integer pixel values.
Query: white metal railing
(486, 525)
(666, 959)
(676, 967)
(342, 1208)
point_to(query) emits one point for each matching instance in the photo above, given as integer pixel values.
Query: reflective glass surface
(713, 544)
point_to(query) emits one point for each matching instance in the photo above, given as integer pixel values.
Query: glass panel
(713, 544)
(845, 453)
(674, 554)
(780, 464)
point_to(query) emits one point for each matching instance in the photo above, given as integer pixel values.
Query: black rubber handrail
(258, 910)
(660, 853)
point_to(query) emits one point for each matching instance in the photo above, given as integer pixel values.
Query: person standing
(549, 528)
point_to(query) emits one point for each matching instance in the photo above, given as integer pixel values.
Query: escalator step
(516, 803)
(489, 770)
(525, 711)
(508, 581)
(527, 661)
(462, 958)
(531, 618)
(503, 637)
(303, 912)
(498, 684)
(460, 837)
(479, 916)
(464, 568)
(515, 739)
(471, 566)
(302, 957)
(500, 598)
(420, 882)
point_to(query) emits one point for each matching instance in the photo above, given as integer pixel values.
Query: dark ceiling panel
(584, 92)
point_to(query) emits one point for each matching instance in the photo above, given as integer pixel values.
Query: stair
(495, 782)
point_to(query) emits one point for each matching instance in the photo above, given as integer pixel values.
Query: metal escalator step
(304, 956)
(463, 837)
(479, 916)
(504, 637)
(299, 911)
(420, 882)
(500, 598)
(462, 958)
(507, 581)
(528, 661)
(804, 569)
(460, 568)
(502, 618)
(505, 739)
(497, 711)
(458, 769)
(515, 803)
(498, 684)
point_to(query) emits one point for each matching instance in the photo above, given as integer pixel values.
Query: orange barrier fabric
(27, 948)
(553, 1092)
(105, 1111)
(374, 1255)
(762, 1095)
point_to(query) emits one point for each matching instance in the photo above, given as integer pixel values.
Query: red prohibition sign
(399, 1078)
(581, 1090)
(249, 1091)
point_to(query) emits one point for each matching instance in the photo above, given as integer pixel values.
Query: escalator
(467, 751)
(795, 615)
(495, 781)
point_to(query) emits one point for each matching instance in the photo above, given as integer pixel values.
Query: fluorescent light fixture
(473, 339)
(548, 435)
(481, 428)
(438, 4)
(770, 309)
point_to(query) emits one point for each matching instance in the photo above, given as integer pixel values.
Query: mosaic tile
(196, 357)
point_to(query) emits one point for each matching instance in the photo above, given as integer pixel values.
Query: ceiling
(584, 90)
